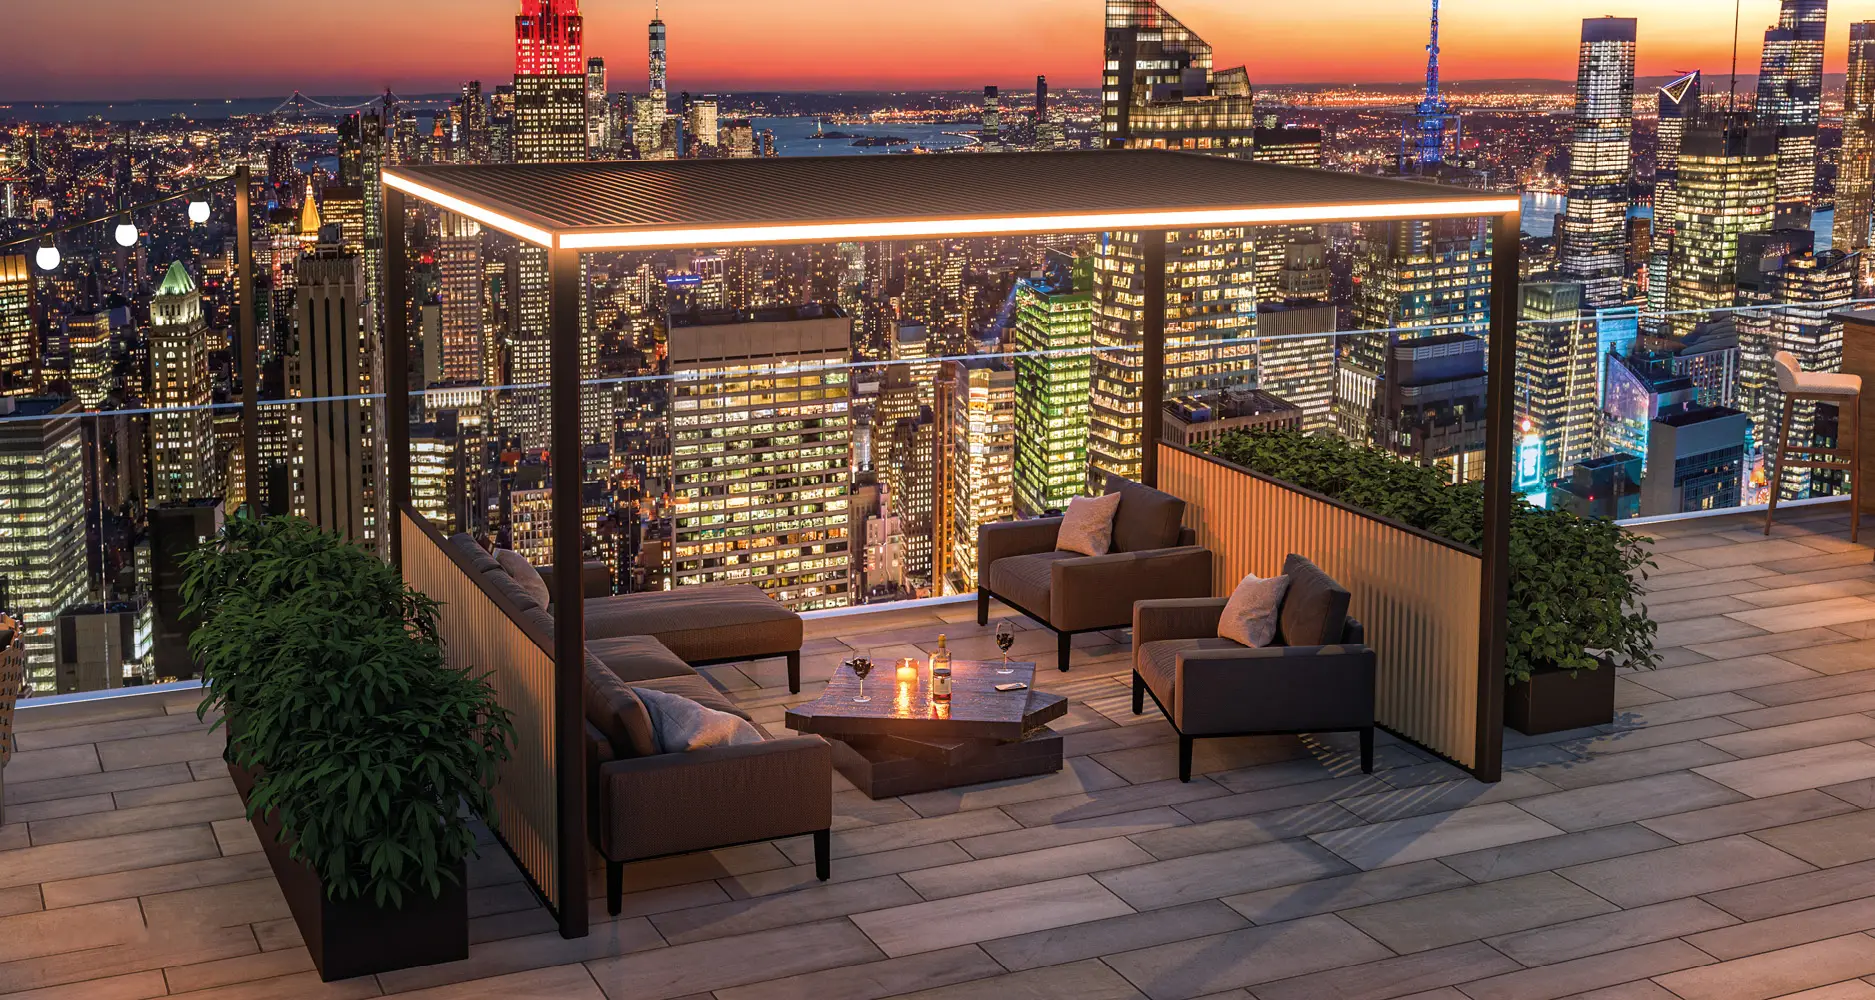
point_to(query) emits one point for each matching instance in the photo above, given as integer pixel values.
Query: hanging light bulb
(198, 210)
(48, 256)
(126, 232)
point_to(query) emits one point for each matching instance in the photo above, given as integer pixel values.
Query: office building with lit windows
(1295, 358)
(1790, 102)
(1696, 461)
(1291, 260)
(1556, 383)
(459, 279)
(982, 441)
(1594, 234)
(598, 120)
(182, 435)
(1054, 333)
(1810, 289)
(339, 454)
(19, 334)
(42, 536)
(1727, 187)
(761, 440)
(1679, 107)
(1855, 168)
(88, 345)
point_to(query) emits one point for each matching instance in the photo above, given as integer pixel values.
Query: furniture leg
(794, 672)
(1367, 750)
(1139, 694)
(1064, 642)
(1777, 464)
(1855, 465)
(983, 606)
(823, 854)
(614, 886)
(1184, 758)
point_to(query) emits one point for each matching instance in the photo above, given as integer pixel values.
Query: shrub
(1573, 586)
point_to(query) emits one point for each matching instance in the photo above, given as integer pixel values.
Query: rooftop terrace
(1716, 843)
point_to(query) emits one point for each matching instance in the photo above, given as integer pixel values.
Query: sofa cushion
(615, 711)
(1157, 663)
(683, 725)
(1250, 615)
(1087, 527)
(700, 624)
(524, 574)
(637, 658)
(479, 559)
(1026, 581)
(501, 581)
(695, 688)
(1148, 518)
(1315, 611)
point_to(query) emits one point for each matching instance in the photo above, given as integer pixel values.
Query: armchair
(1152, 558)
(1213, 687)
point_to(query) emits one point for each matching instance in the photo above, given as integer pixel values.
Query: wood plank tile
(721, 963)
(1603, 933)
(788, 909)
(1243, 831)
(1718, 676)
(149, 751)
(1202, 966)
(30, 766)
(155, 879)
(1684, 870)
(1393, 977)
(261, 965)
(1062, 945)
(1089, 980)
(1627, 801)
(132, 986)
(1340, 892)
(1775, 774)
(1031, 866)
(1802, 927)
(874, 980)
(1109, 801)
(1224, 873)
(891, 836)
(1831, 611)
(862, 866)
(1770, 642)
(1472, 913)
(1417, 838)
(1072, 832)
(1595, 972)
(1611, 767)
(40, 933)
(167, 815)
(519, 954)
(563, 982)
(29, 865)
(1079, 775)
(19, 791)
(985, 916)
(1777, 973)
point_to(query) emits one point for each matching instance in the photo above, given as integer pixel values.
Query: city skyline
(129, 49)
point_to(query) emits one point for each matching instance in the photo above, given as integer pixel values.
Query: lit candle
(908, 671)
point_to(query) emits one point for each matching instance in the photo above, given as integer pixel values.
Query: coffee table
(901, 742)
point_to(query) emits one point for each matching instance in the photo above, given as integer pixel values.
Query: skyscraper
(42, 536)
(1556, 390)
(1679, 107)
(1790, 101)
(660, 59)
(1727, 186)
(459, 274)
(182, 435)
(653, 109)
(1161, 92)
(982, 439)
(1855, 172)
(1594, 234)
(19, 341)
(1054, 331)
(88, 344)
(337, 485)
(992, 117)
(598, 121)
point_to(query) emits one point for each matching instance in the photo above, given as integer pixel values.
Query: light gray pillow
(1087, 528)
(524, 575)
(683, 725)
(1250, 614)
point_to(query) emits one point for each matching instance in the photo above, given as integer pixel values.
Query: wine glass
(862, 665)
(1005, 638)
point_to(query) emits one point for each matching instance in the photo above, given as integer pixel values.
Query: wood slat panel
(1419, 599)
(479, 637)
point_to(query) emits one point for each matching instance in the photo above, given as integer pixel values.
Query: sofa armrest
(595, 579)
(1187, 618)
(1095, 592)
(1002, 539)
(679, 802)
(1274, 688)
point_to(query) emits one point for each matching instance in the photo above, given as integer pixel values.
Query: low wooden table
(901, 742)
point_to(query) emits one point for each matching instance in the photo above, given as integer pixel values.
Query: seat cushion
(616, 712)
(1315, 611)
(1829, 383)
(1148, 519)
(1157, 663)
(636, 658)
(683, 725)
(695, 688)
(700, 624)
(1025, 581)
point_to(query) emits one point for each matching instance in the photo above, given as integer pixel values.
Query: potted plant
(1575, 596)
(354, 744)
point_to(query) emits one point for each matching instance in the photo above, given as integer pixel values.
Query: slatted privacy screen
(479, 636)
(1418, 597)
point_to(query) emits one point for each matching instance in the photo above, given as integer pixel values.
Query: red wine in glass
(862, 665)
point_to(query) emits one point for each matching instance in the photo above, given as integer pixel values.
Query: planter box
(354, 937)
(1552, 701)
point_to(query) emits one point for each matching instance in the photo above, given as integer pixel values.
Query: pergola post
(1499, 444)
(569, 599)
(244, 325)
(396, 370)
(1152, 360)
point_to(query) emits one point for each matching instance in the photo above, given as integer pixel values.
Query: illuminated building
(530, 524)
(182, 437)
(1727, 187)
(336, 484)
(1291, 260)
(1160, 91)
(1430, 407)
(19, 343)
(88, 342)
(982, 438)
(1790, 102)
(651, 111)
(1054, 334)
(911, 349)
(1048, 131)
(704, 127)
(1607, 487)
(741, 139)
(1810, 289)
(992, 129)
(1295, 356)
(459, 272)
(1639, 389)
(1855, 171)
(1193, 420)
(361, 166)
(1679, 107)
(1556, 385)
(1696, 458)
(911, 483)
(42, 536)
(436, 480)
(760, 442)
(598, 121)
(1594, 236)
(344, 207)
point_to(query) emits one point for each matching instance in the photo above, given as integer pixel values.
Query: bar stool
(1823, 387)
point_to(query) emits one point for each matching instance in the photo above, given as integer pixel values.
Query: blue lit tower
(1422, 143)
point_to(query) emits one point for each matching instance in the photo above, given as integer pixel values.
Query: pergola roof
(642, 205)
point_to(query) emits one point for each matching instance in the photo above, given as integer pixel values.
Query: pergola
(572, 208)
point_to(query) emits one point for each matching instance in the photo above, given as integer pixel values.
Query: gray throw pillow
(1087, 527)
(1249, 617)
(683, 725)
(524, 575)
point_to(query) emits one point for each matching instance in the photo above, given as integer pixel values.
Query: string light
(48, 256)
(198, 211)
(126, 232)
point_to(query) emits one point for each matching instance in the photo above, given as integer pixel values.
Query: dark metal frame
(1141, 690)
(1064, 641)
(615, 870)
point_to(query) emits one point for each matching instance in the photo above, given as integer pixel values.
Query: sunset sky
(115, 49)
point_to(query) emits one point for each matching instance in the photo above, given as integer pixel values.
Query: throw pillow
(616, 712)
(523, 573)
(1087, 527)
(1250, 614)
(683, 725)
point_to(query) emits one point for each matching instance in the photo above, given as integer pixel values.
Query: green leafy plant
(365, 744)
(1575, 582)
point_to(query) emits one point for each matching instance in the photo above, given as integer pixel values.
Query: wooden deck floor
(1717, 843)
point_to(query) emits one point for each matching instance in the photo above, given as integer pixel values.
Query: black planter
(354, 937)
(1555, 700)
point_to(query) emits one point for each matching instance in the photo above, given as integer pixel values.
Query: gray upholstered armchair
(1318, 676)
(1152, 558)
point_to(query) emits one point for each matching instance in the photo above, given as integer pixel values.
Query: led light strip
(513, 227)
(651, 239)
